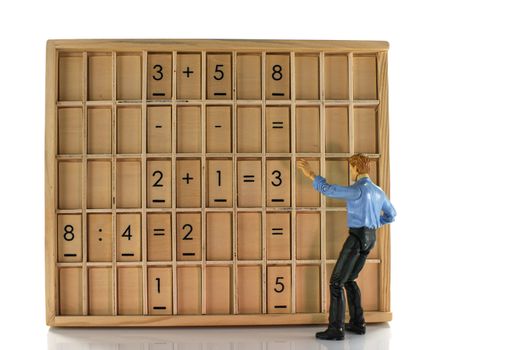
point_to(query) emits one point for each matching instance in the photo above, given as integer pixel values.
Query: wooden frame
(85, 79)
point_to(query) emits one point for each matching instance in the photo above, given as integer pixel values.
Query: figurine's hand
(303, 165)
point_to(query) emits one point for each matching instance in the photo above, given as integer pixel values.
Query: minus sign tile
(159, 200)
(188, 254)
(220, 200)
(277, 200)
(159, 308)
(277, 94)
(220, 94)
(158, 126)
(280, 306)
(128, 254)
(159, 94)
(70, 254)
(218, 126)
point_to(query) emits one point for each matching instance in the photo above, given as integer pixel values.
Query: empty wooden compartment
(189, 129)
(249, 236)
(189, 287)
(308, 236)
(129, 76)
(159, 75)
(307, 77)
(249, 289)
(336, 77)
(129, 130)
(160, 290)
(188, 183)
(364, 77)
(99, 184)
(368, 283)
(218, 290)
(219, 236)
(100, 291)
(337, 129)
(218, 129)
(249, 129)
(365, 130)
(69, 184)
(70, 77)
(307, 129)
(71, 291)
(249, 77)
(307, 288)
(128, 189)
(189, 76)
(99, 76)
(129, 291)
(70, 126)
(99, 131)
(188, 236)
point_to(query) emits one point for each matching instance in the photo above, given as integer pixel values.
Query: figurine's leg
(341, 272)
(356, 313)
(357, 322)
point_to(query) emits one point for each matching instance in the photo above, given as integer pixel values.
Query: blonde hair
(360, 162)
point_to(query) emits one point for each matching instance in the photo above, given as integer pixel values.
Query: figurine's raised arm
(331, 190)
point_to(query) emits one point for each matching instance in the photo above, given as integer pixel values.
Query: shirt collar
(362, 176)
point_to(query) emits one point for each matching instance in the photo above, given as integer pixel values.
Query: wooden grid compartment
(172, 192)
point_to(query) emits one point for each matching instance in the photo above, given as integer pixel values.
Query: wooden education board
(172, 192)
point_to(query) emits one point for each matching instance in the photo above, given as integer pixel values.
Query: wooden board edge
(385, 247)
(220, 44)
(49, 183)
(207, 320)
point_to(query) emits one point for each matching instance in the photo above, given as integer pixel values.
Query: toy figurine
(368, 208)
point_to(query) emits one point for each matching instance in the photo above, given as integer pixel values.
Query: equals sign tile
(278, 125)
(277, 231)
(158, 232)
(249, 178)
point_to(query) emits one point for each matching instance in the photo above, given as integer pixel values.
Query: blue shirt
(365, 202)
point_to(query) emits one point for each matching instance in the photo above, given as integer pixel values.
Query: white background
(456, 73)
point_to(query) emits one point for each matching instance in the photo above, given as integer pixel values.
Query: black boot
(359, 328)
(331, 334)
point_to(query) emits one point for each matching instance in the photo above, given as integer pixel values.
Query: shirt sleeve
(335, 191)
(389, 212)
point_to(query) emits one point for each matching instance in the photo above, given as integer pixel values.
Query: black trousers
(350, 262)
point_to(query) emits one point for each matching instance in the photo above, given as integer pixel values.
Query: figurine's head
(359, 164)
